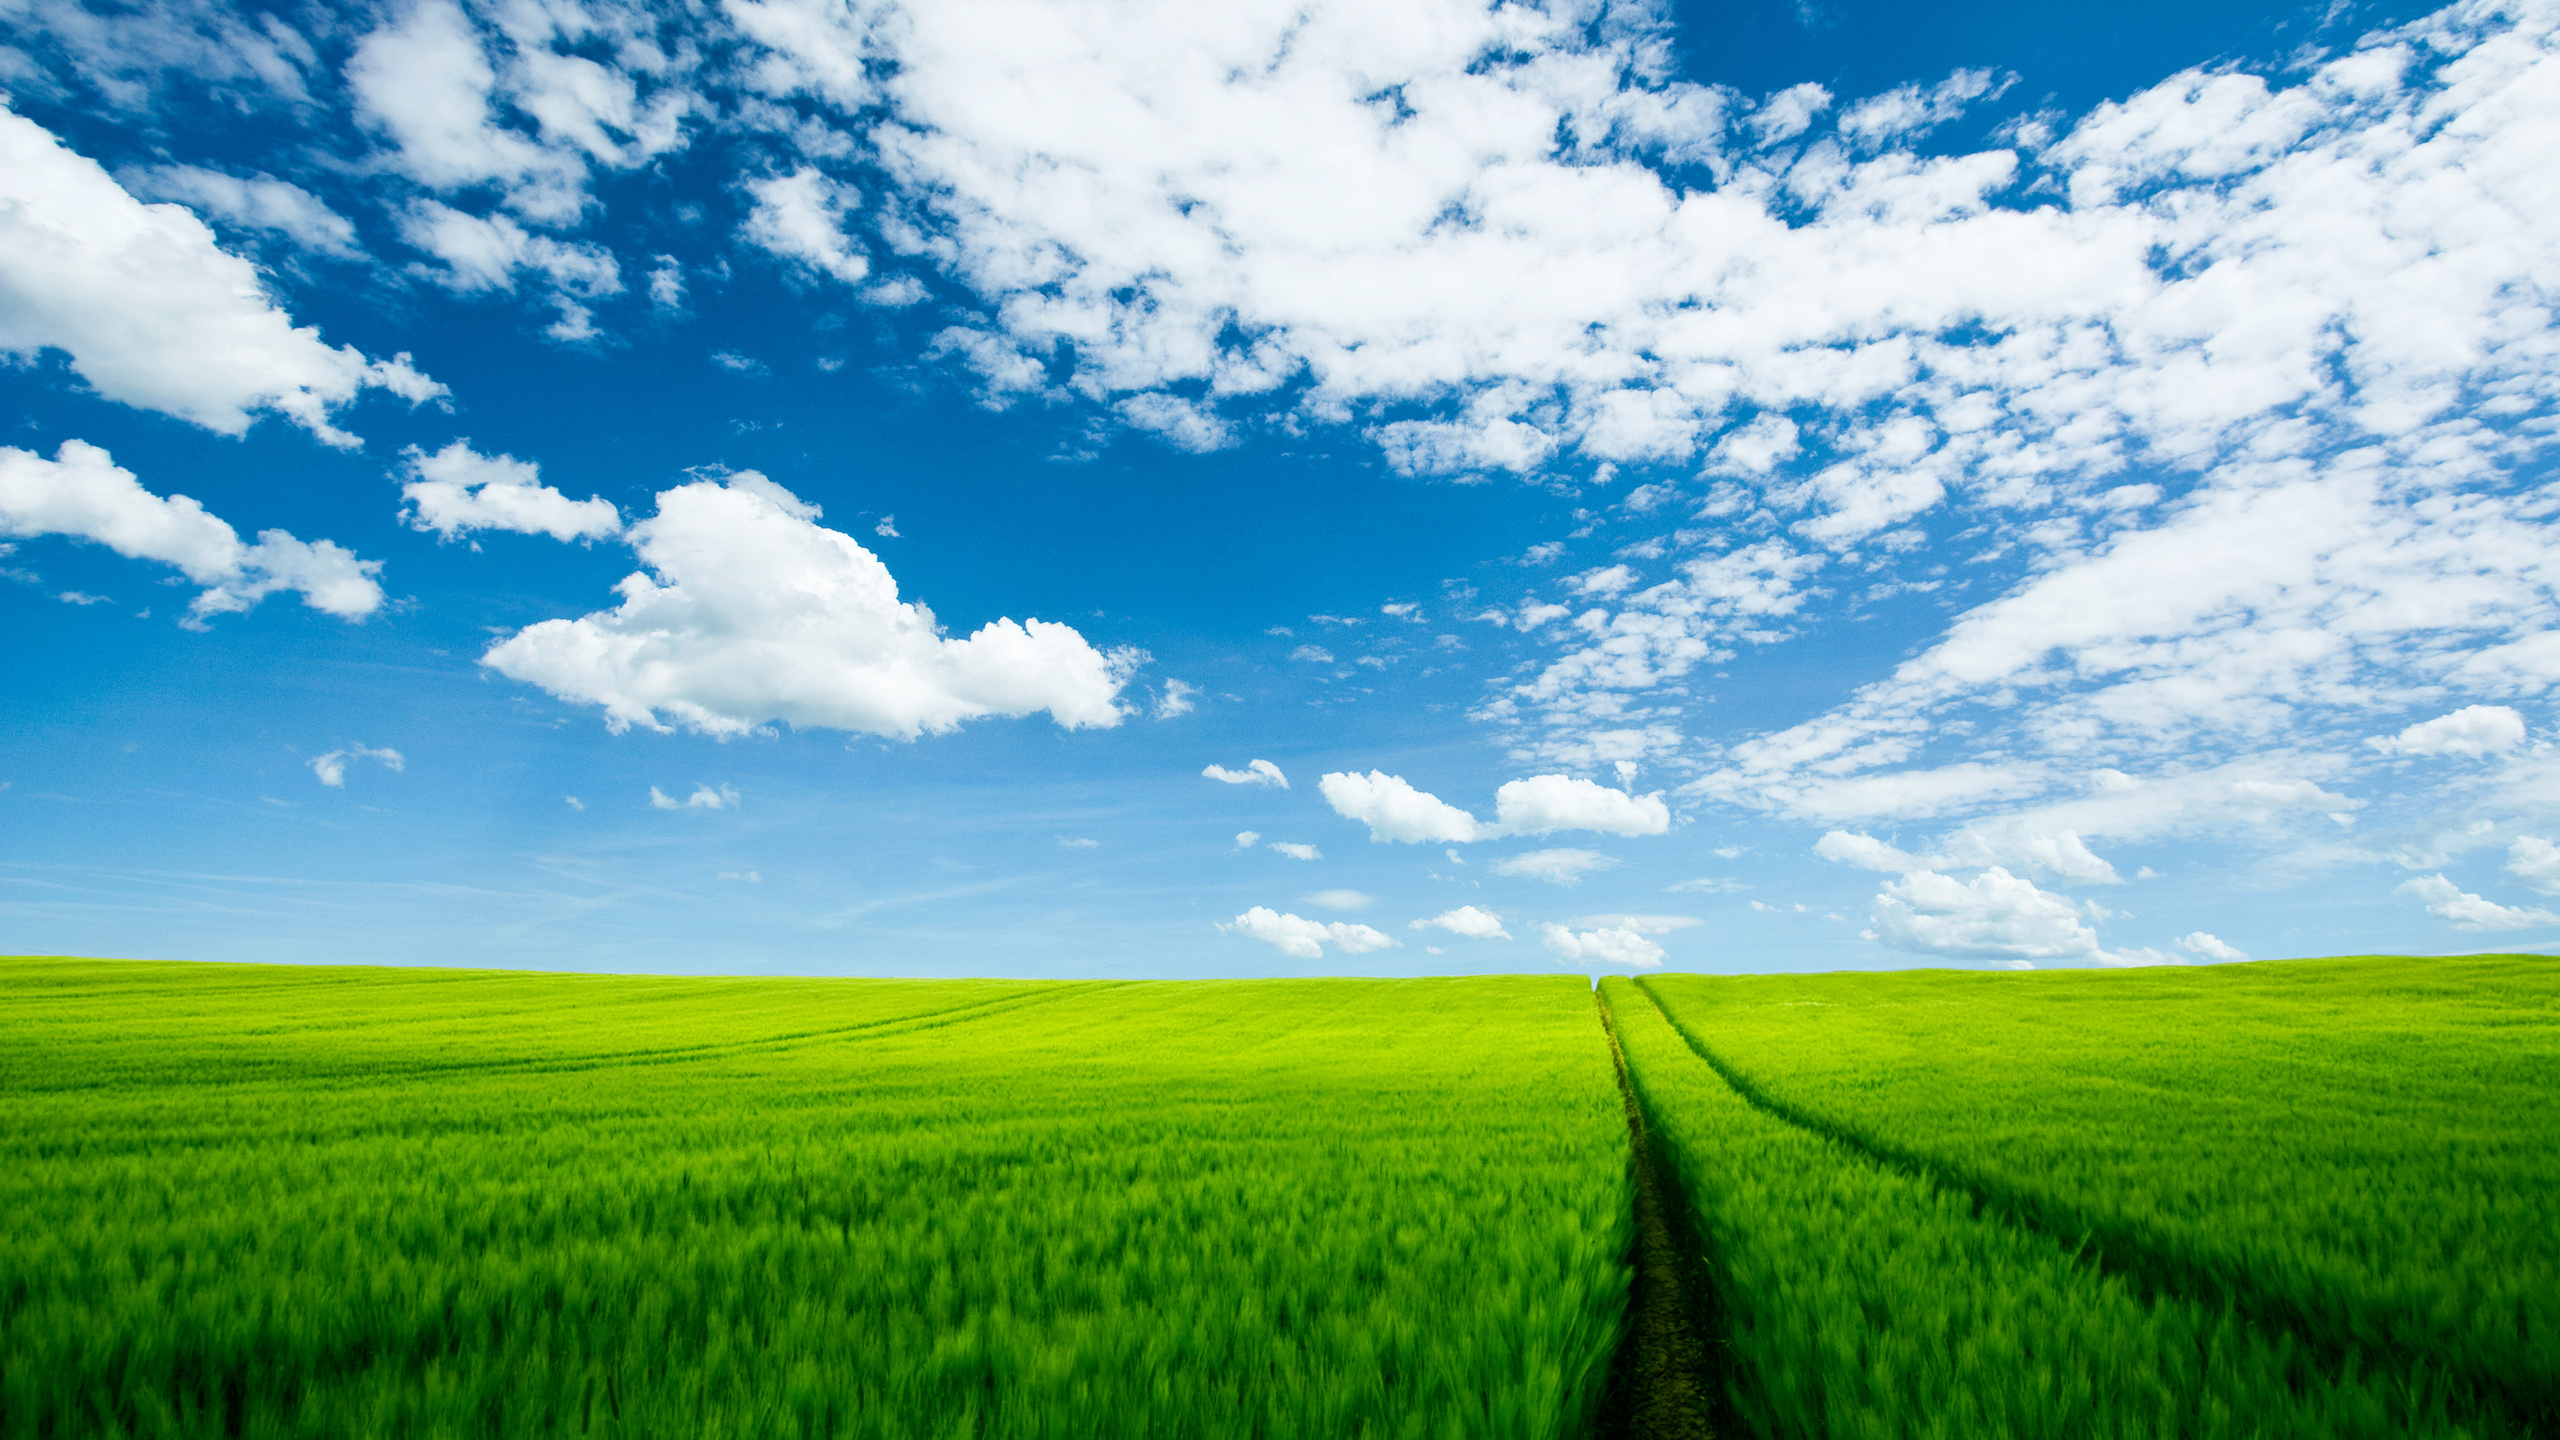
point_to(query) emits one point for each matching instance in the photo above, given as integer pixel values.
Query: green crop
(266, 1201)
(1858, 1300)
(2366, 1152)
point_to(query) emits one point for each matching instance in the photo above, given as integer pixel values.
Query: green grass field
(2278, 1199)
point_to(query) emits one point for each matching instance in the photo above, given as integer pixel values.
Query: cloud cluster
(750, 611)
(1305, 939)
(83, 493)
(457, 490)
(1395, 811)
(1468, 921)
(1607, 946)
(151, 310)
(1258, 772)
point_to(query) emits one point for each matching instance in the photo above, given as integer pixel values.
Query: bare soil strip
(1664, 1383)
(2150, 1270)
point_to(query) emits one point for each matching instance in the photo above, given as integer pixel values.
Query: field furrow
(1858, 1300)
(2365, 1153)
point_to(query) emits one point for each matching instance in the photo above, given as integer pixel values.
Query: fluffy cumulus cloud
(82, 493)
(1296, 850)
(2535, 861)
(1394, 810)
(750, 611)
(1305, 939)
(457, 490)
(1258, 772)
(2209, 947)
(1468, 921)
(2448, 901)
(2473, 730)
(1606, 946)
(1995, 916)
(150, 309)
(1547, 803)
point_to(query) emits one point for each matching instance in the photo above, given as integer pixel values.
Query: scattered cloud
(1296, 851)
(152, 311)
(1556, 867)
(1078, 842)
(1245, 838)
(1543, 804)
(2448, 901)
(457, 490)
(2473, 730)
(702, 798)
(84, 494)
(332, 767)
(748, 877)
(2207, 947)
(1256, 772)
(2535, 861)
(1642, 924)
(574, 802)
(1468, 921)
(1179, 698)
(1395, 811)
(750, 611)
(1305, 939)
(1606, 946)
(1995, 916)
(1340, 899)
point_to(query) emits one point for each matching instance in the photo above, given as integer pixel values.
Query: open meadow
(2278, 1199)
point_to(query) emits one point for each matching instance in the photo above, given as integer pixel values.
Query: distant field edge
(2143, 1260)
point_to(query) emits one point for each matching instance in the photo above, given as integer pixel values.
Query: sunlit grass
(271, 1201)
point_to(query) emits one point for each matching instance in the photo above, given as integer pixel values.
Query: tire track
(1664, 1382)
(2155, 1270)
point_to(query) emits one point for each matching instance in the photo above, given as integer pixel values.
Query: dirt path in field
(1663, 1382)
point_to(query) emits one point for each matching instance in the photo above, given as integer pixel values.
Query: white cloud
(1642, 924)
(1556, 867)
(1543, 804)
(1468, 921)
(488, 253)
(259, 202)
(1866, 852)
(750, 611)
(2467, 911)
(1258, 772)
(1296, 851)
(1607, 946)
(438, 88)
(574, 802)
(1245, 838)
(457, 490)
(2535, 861)
(702, 798)
(750, 877)
(1340, 899)
(1315, 654)
(1995, 916)
(1078, 842)
(2473, 730)
(2207, 947)
(151, 310)
(1180, 698)
(84, 494)
(1395, 811)
(799, 217)
(1305, 939)
(332, 767)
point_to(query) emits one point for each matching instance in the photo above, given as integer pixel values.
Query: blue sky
(1752, 487)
